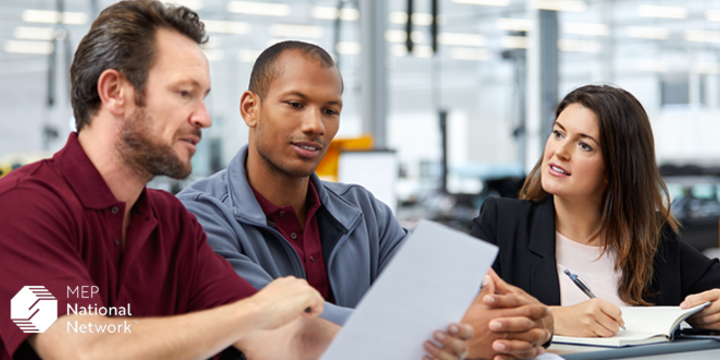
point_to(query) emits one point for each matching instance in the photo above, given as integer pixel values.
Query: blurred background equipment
(462, 91)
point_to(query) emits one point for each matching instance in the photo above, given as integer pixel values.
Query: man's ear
(250, 108)
(114, 91)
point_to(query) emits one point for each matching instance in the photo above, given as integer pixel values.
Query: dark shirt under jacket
(525, 233)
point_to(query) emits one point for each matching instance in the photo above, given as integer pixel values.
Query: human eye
(585, 146)
(332, 112)
(557, 134)
(294, 104)
(185, 94)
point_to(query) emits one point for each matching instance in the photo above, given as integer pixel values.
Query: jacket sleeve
(485, 227)
(698, 273)
(217, 221)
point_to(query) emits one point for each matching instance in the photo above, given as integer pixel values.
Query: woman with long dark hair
(595, 205)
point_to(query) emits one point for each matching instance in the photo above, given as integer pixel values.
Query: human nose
(201, 116)
(312, 122)
(563, 151)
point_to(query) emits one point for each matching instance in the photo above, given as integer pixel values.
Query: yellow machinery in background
(11, 162)
(328, 168)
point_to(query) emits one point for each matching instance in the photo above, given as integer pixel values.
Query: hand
(591, 318)
(709, 317)
(508, 322)
(285, 299)
(454, 343)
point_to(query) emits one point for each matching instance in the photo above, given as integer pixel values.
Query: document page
(656, 319)
(427, 286)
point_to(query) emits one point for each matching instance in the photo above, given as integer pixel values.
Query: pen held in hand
(584, 288)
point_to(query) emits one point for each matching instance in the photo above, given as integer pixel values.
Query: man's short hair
(123, 38)
(264, 71)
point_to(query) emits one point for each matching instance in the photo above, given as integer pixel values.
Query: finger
(439, 353)
(461, 331)
(511, 324)
(613, 312)
(536, 337)
(516, 348)
(605, 326)
(711, 321)
(454, 345)
(701, 298)
(488, 286)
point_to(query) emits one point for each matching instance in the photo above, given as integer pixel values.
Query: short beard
(143, 155)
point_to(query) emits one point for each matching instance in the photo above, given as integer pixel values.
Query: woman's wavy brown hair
(636, 203)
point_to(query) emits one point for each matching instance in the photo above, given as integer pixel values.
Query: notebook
(645, 325)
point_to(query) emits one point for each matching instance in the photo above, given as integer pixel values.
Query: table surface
(678, 349)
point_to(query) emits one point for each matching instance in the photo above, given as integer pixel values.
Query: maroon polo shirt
(61, 226)
(306, 242)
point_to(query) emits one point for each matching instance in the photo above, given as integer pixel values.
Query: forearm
(197, 335)
(299, 340)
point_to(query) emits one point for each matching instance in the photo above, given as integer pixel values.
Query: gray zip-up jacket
(359, 234)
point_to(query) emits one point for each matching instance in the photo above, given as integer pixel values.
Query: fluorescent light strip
(53, 17)
(514, 24)
(702, 36)
(422, 51)
(34, 33)
(470, 54)
(461, 39)
(348, 48)
(297, 31)
(258, 8)
(398, 50)
(227, 27)
(585, 29)
(706, 68)
(400, 36)
(248, 56)
(667, 12)
(29, 47)
(573, 45)
(647, 32)
(712, 15)
(420, 19)
(514, 42)
(561, 5)
(651, 65)
(331, 13)
(484, 2)
(194, 5)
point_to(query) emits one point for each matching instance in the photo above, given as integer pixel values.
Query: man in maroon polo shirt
(83, 240)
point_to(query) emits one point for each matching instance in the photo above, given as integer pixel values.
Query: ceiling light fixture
(589, 29)
(258, 8)
(331, 13)
(53, 17)
(29, 47)
(647, 32)
(297, 31)
(484, 2)
(34, 33)
(667, 12)
(561, 5)
(227, 27)
(461, 39)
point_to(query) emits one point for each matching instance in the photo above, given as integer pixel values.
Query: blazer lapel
(544, 282)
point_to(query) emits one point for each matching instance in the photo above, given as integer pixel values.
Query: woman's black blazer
(525, 233)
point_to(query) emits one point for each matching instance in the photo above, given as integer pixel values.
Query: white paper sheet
(428, 285)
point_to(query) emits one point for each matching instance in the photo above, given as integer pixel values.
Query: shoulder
(214, 186)
(37, 187)
(507, 206)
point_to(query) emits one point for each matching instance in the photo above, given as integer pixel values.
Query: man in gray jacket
(270, 215)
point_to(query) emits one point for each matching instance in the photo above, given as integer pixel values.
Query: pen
(581, 285)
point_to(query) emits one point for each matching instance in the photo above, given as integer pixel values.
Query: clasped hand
(508, 322)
